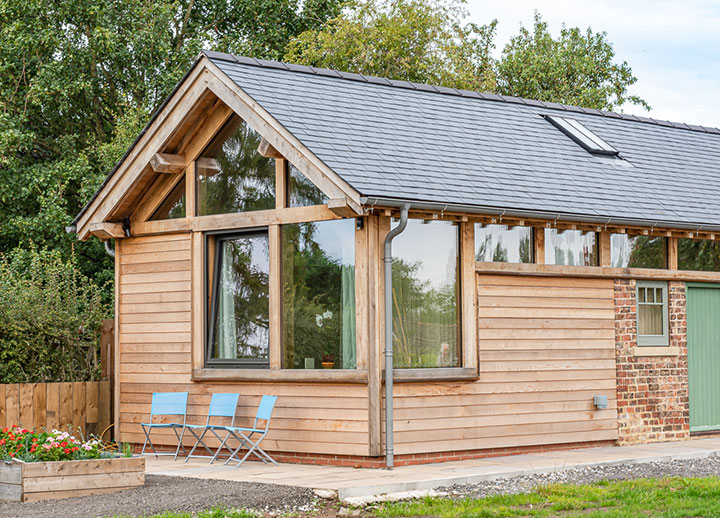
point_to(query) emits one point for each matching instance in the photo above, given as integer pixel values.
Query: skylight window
(583, 136)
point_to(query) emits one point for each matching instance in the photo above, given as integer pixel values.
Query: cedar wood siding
(546, 346)
(154, 310)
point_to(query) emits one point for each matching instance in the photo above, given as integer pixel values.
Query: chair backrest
(223, 405)
(265, 410)
(169, 403)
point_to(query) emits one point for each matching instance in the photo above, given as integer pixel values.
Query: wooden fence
(83, 404)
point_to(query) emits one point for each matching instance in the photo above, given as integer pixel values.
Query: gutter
(545, 215)
(387, 260)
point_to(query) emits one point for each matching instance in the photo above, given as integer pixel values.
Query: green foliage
(78, 80)
(668, 497)
(50, 319)
(429, 41)
(576, 68)
(415, 40)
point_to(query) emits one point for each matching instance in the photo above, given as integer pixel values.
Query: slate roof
(402, 141)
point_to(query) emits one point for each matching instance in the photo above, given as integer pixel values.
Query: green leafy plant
(33, 446)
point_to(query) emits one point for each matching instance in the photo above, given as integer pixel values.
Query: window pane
(701, 255)
(174, 205)
(650, 319)
(658, 295)
(302, 191)
(649, 295)
(499, 244)
(232, 176)
(425, 295)
(638, 251)
(319, 295)
(240, 326)
(571, 247)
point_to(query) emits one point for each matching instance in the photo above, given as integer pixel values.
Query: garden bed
(29, 481)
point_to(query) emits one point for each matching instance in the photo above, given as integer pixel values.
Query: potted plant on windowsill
(328, 361)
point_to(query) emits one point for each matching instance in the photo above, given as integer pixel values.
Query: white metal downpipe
(387, 259)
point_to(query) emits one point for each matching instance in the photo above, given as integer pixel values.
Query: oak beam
(105, 230)
(165, 163)
(265, 149)
(342, 208)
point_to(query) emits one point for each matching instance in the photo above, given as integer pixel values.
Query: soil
(178, 494)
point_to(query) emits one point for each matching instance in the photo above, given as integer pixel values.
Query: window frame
(652, 340)
(211, 292)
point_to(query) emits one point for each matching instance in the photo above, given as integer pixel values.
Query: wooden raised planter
(29, 481)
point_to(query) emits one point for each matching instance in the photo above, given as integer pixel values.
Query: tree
(576, 68)
(78, 81)
(429, 41)
(414, 40)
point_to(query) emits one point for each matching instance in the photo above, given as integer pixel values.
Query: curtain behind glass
(571, 247)
(425, 295)
(498, 243)
(319, 295)
(225, 322)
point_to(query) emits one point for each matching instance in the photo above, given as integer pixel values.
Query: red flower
(35, 439)
(67, 451)
(2, 441)
(63, 444)
(12, 454)
(32, 450)
(75, 448)
(5, 429)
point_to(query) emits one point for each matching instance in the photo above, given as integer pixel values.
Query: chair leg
(180, 444)
(147, 430)
(223, 443)
(198, 440)
(253, 446)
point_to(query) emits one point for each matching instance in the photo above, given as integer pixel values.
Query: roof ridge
(291, 67)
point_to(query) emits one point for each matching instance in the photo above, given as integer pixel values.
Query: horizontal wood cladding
(155, 337)
(546, 347)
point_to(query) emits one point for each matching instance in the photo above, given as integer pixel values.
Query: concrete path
(354, 485)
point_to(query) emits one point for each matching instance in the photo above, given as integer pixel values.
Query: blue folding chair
(164, 404)
(244, 435)
(221, 406)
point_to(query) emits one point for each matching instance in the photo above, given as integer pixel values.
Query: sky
(673, 47)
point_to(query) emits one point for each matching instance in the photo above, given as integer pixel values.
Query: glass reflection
(570, 247)
(498, 243)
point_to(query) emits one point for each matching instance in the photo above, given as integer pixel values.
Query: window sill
(290, 375)
(437, 374)
(645, 350)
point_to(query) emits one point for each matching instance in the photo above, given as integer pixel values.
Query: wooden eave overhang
(205, 97)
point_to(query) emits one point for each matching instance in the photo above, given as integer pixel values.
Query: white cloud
(673, 47)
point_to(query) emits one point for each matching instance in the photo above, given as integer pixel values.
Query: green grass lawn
(670, 497)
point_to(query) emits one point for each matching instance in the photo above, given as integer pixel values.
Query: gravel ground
(178, 494)
(676, 468)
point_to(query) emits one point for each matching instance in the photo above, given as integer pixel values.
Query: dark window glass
(232, 176)
(638, 251)
(498, 243)
(239, 309)
(699, 254)
(425, 292)
(173, 206)
(571, 247)
(302, 191)
(319, 295)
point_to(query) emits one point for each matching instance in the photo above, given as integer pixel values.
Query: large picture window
(571, 247)
(425, 294)
(239, 319)
(232, 176)
(319, 295)
(698, 254)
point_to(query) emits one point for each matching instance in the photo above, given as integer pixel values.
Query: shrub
(50, 319)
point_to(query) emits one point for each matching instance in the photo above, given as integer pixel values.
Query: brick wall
(652, 391)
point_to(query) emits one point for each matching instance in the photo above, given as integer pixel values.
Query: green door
(703, 328)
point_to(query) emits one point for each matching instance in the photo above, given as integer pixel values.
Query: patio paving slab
(350, 483)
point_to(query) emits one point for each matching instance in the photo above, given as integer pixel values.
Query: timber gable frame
(205, 77)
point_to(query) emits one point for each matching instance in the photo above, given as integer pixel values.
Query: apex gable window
(571, 247)
(500, 243)
(173, 206)
(302, 192)
(232, 176)
(239, 306)
(652, 313)
(425, 294)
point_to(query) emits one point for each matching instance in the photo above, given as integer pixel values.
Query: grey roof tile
(403, 140)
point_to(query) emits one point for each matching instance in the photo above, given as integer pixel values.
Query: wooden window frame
(652, 340)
